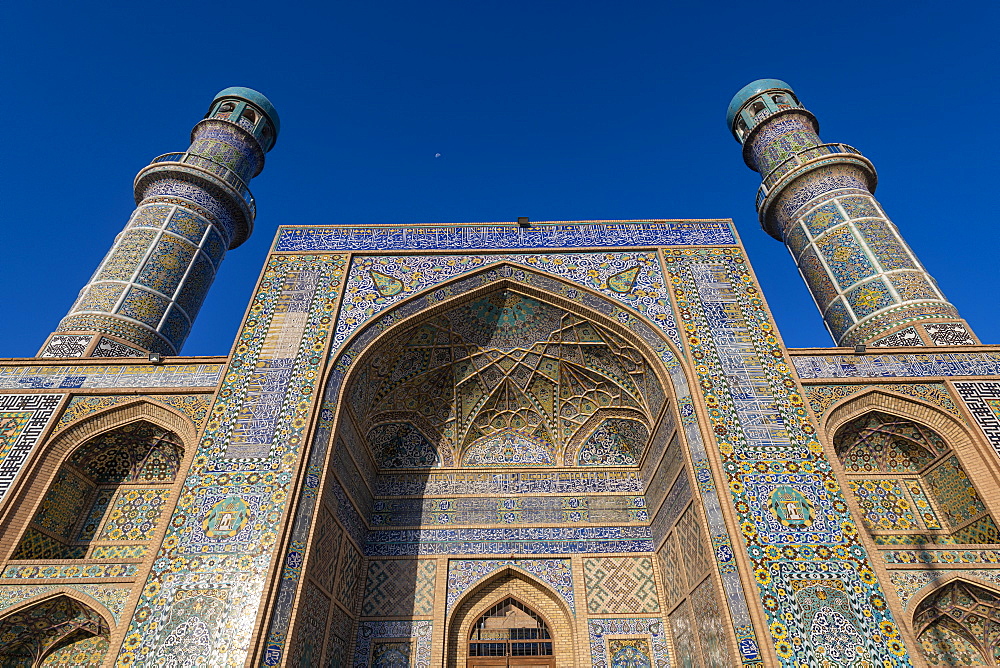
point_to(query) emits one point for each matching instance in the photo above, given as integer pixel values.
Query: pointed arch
(56, 630)
(50, 468)
(928, 467)
(510, 582)
(958, 623)
(646, 390)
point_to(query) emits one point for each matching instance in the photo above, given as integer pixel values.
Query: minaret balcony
(200, 165)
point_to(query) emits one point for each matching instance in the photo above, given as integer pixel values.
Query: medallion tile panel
(418, 633)
(603, 632)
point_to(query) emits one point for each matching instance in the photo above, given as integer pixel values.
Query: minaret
(190, 208)
(817, 199)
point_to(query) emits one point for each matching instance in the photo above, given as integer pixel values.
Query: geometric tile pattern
(398, 588)
(983, 401)
(350, 571)
(902, 338)
(884, 505)
(620, 585)
(949, 334)
(506, 236)
(134, 514)
(709, 621)
(464, 574)
(66, 345)
(606, 634)
(22, 419)
(418, 635)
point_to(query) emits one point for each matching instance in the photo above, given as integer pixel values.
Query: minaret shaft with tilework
(817, 199)
(191, 207)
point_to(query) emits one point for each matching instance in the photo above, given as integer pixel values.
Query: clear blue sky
(552, 110)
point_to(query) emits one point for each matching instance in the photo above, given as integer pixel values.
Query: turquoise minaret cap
(258, 99)
(748, 91)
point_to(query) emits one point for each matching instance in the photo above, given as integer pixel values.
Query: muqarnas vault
(536, 444)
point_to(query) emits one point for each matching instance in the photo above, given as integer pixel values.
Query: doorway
(510, 634)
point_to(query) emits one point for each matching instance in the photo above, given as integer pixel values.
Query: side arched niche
(529, 594)
(56, 631)
(958, 624)
(102, 486)
(908, 469)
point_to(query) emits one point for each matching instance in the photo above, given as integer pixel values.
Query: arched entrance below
(512, 621)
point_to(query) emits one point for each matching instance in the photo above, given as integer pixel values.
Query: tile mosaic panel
(66, 345)
(109, 376)
(983, 401)
(821, 397)
(620, 585)
(111, 597)
(916, 365)
(788, 502)
(195, 406)
(399, 588)
(845, 257)
(603, 631)
(465, 574)
(23, 418)
(712, 632)
(911, 586)
(229, 511)
(419, 633)
(135, 513)
(597, 234)
(365, 297)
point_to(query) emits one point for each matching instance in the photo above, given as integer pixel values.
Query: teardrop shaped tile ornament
(623, 281)
(386, 285)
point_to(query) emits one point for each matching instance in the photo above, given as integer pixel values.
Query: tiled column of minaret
(191, 208)
(817, 199)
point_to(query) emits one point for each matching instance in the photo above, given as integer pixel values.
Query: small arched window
(957, 626)
(510, 628)
(106, 499)
(250, 115)
(225, 110)
(910, 486)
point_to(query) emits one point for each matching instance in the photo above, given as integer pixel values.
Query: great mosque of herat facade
(506, 444)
